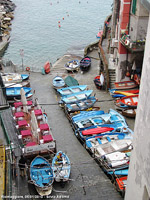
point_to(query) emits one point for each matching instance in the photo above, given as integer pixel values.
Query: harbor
(72, 122)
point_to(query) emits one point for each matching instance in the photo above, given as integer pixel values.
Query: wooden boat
(47, 67)
(127, 102)
(61, 167)
(76, 97)
(58, 82)
(33, 130)
(125, 85)
(99, 34)
(110, 143)
(41, 175)
(71, 89)
(81, 105)
(99, 81)
(118, 93)
(72, 65)
(2, 171)
(129, 113)
(121, 183)
(85, 63)
(70, 81)
(21, 84)
(13, 77)
(14, 92)
(115, 161)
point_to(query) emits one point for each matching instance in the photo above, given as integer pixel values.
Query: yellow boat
(2, 171)
(124, 93)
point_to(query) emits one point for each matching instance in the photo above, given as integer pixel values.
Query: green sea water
(35, 29)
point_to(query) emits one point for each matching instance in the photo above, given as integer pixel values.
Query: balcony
(132, 46)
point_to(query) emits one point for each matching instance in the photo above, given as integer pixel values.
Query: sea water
(45, 30)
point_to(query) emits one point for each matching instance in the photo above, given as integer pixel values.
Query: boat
(21, 84)
(70, 81)
(96, 131)
(85, 63)
(121, 183)
(14, 77)
(121, 172)
(114, 161)
(58, 82)
(105, 144)
(14, 92)
(99, 34)
(41, 175)
(129, 112)
(71, 89)
(2, 171)
(125, 85)
(72, 65)
(71, 98)
(47, 67)
(99, 81)
(127, 102)
(61, 167)
(81, 105)
(118, 93)
(87, 119)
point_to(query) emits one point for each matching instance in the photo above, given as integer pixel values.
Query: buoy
(63, 18)
(58, 21)
(27, 68)
(127, 42)
(59, 26)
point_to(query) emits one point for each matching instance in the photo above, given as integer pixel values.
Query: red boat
(95, 131)
(129, 101)
(47, 67)
(121, 184)
(125, 85)
(129, 91)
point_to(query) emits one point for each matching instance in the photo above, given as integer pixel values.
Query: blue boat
(41, 175)
(14, 92)
(92, 118)
(71, 90)
(81, 105)
(58, 82)
(76, 97)
(72, 65)
(61, 167)
(24, 77)
(111, 91)
(121, 172)
(78, 132)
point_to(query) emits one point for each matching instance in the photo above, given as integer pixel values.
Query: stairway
(112, 77)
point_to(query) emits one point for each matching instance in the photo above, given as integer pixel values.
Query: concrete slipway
(88, 181)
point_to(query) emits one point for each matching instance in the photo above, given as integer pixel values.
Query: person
(22, 166)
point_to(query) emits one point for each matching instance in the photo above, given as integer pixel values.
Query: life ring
(127, 42)
(27, 68)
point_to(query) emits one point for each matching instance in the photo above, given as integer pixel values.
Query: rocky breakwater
(6, 15)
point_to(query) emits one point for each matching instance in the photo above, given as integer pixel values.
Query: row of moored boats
(105, 135)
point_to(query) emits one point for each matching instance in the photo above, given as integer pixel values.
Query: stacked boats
(126, 98)
(106, 136)
(12, 84)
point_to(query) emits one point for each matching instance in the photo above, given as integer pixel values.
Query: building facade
(138, 184)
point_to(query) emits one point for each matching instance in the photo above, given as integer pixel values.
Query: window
(134, 6)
